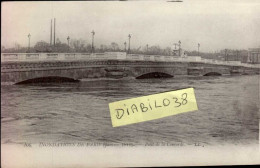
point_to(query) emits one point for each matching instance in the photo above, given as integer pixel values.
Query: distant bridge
(33, 67)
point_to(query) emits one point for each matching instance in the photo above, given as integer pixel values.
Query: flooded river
(78, 112)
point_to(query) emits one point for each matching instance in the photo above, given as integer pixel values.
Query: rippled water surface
(76, 112)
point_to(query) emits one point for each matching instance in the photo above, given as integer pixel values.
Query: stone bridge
(35, 67)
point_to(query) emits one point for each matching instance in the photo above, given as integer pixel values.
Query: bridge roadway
(32, 67)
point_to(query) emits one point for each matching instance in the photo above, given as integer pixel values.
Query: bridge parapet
(32, 57)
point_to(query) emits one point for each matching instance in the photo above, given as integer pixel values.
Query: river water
(78, 112)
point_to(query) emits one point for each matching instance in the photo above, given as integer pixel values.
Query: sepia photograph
(64, 62)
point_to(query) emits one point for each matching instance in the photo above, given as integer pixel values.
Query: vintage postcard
(130, 83)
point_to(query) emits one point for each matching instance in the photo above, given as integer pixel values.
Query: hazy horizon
(214, 24)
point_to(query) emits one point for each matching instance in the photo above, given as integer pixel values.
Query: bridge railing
(19, 56)
(14, 57)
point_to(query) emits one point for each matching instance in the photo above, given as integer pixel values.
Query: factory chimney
(51, 33)
(54, 31)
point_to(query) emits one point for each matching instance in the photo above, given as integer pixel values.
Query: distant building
(232, 57)
(254, 55)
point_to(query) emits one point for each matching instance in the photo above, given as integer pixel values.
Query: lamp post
(179, 48)
(125, 46)
(129, 37)
(147, 48)
(198, 49)
(225, 54)
(92, 47)
(175, 49)
(175, 44)
(29, 38)
(237, 56)
(68, 42)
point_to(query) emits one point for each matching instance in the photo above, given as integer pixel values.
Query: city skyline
(226, 25)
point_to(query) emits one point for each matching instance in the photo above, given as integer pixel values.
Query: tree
(154, 50)
(167, 51)
(17, 46)
(2, 48)
(114, 46)
(61, 47)
(42, 46)
(78, 45)
(103, 48)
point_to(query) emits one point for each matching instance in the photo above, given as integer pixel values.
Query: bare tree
(167, 51)
(17, 46)
(2, 48)
(114, 46)
(78, 45)
(155, 50)
(103, 48)
(42, 46)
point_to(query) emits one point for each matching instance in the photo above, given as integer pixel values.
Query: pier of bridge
(32, 67)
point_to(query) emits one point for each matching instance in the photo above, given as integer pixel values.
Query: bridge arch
(212, 74)
(154, 75)
(47, 79)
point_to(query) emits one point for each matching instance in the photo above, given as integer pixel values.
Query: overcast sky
(214, 24)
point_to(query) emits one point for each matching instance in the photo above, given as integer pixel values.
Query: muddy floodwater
(78, 112)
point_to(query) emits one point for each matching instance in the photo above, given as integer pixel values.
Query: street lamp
(92, 48)
(225, 54)
(179, 48)
(129, 36)
(125, 46)
(175, 44)
(175, 49)
(237, 56)
(198, 49)
(68, 42)
(147, 48)
(29, 37)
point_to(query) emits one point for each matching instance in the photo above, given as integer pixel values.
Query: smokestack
(51, 33)
(54, 31)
